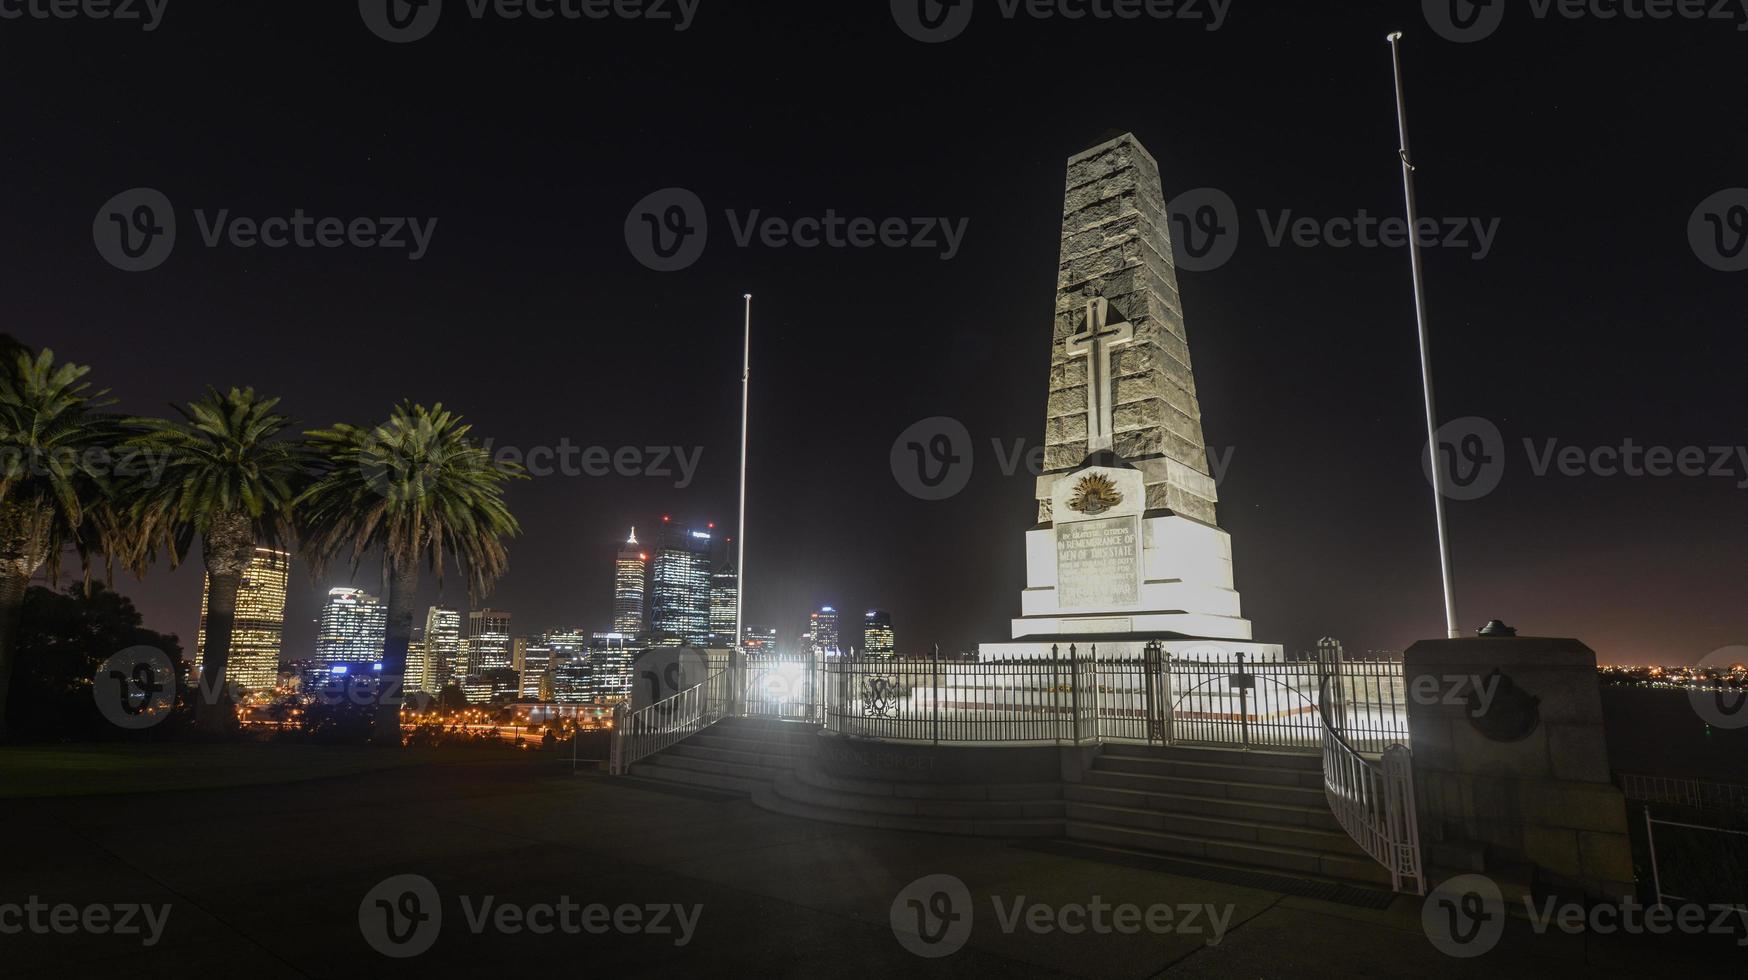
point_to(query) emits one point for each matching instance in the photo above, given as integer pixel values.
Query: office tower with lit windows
(630, 574)
(259, 626)
(610, 659)
(724, 587)
(533, 663)
(488, 641)
(822, 630)
(420, 677)
(350, 632)
(877, 639)
(443, 646)
(680, 586)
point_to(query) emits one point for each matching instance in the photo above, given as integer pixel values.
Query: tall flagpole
(1432, 447)
(740, 560)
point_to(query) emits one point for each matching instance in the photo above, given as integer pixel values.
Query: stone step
(757, 773)
(1253, 774)
(1292, 860)
(1316, 817)
(771, 797)
(651, 770)
(759, 756)
(1221, 828)
(765, 727)
(1234, 757)
(813, 775)
(805, 787)
(1224, 789)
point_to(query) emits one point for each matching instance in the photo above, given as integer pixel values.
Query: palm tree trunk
(228, 545)
(23, 549)
(403, 590)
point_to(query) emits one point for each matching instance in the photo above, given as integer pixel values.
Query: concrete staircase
(735, 755)
(1222, 807)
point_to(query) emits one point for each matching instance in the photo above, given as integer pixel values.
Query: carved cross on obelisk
(1096, 340)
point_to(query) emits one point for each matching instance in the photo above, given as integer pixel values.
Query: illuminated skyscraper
(419, 673)
(630, 571)
(724, 585)
(488, 641)
(259, 623)
(877, 640)
(680, 587)
(443, 647)
(351, 631)
(823, 630)
(609, 660)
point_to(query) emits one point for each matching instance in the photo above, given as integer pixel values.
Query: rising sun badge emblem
(1094, 494)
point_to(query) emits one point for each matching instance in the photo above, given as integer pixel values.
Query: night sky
(1591, 321)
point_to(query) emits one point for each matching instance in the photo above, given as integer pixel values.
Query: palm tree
(227, 480)
(420, 491)
(57, 455)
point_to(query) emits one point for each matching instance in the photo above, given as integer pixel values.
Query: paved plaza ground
(267, 880)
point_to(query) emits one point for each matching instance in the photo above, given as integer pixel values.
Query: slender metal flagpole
(1432, 447)
(740, 560)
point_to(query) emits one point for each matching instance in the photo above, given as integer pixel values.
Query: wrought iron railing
(652, 728)
(1698, 794)
(1373, 799)
(1004, 702)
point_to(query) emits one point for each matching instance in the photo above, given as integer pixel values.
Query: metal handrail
(652, 728)
(1373, 801)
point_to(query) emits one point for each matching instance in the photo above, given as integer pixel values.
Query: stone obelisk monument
(1127, 548)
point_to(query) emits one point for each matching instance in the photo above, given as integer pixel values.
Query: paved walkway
(268, 881)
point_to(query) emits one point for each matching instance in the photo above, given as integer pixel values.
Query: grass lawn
(86, 770)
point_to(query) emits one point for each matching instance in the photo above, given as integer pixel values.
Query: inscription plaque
(1098, 563)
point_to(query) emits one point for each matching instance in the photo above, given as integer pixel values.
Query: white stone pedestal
(1104, 573)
